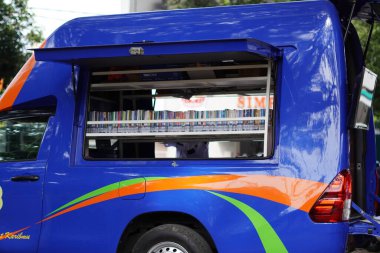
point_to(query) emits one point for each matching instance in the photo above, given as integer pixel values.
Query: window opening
(185, 111)
(20, 138)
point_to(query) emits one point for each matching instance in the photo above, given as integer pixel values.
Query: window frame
(276, 66)
(26, 114)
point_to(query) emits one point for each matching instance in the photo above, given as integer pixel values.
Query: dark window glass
(20, 138)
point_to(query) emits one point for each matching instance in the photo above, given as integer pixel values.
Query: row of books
(198, 121)
(130, 115)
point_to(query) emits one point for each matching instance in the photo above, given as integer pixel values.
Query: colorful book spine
(229, 120)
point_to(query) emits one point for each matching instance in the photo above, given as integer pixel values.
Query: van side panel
(313, 66)
(310, 139)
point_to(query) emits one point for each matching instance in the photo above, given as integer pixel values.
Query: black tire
(183, 236)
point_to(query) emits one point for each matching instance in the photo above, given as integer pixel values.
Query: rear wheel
(171, 238)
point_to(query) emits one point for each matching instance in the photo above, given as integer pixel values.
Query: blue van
(228, 129)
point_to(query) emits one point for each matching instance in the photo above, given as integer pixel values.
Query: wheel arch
(144, 222)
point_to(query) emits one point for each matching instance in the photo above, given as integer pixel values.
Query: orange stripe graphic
(298, 193)
(14, 88)
(133, 189)
(9, 97)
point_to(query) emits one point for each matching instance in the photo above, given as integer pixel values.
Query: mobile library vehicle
(203, 130)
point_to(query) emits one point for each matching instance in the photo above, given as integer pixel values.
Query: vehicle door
(23, 157)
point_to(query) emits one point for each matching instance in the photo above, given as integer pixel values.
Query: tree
(372, 59)
(17, 32)
(373, 55)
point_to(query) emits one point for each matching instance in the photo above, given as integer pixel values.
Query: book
(228, 120)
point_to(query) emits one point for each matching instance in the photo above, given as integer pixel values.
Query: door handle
(24, 178)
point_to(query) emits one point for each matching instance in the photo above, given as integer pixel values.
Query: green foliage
(17, 32)
(373, 55)
(373, 58)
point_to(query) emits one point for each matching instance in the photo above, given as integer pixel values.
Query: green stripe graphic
(269, 238)
(105, 189)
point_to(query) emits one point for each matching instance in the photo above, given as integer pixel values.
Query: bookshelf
(191, 124)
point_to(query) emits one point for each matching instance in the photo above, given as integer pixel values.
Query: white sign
(202, 103)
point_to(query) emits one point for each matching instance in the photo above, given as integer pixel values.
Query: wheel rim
(167, 247)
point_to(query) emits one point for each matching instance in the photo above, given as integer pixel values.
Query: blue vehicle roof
(293, 25)
(276, 23)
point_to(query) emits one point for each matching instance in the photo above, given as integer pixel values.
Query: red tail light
(335, 203)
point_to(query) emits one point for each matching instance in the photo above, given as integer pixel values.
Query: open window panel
(192, 109)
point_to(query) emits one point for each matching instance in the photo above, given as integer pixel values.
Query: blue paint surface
(311, 140)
